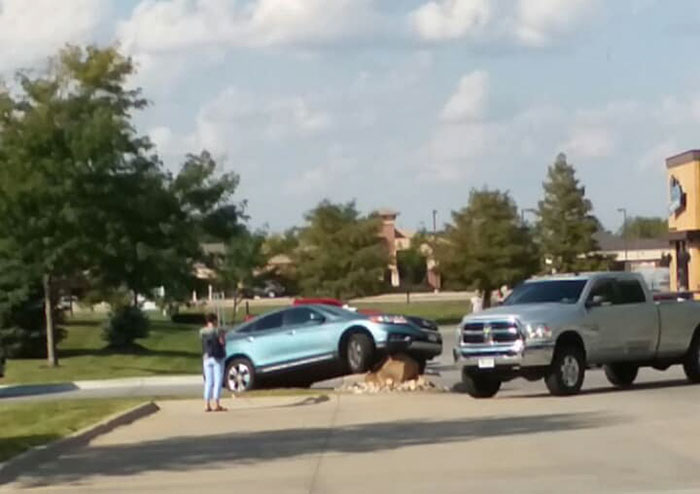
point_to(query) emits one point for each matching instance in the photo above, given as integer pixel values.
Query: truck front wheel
(480, 385)
(691, 364)
(565, 375)
(621, 375)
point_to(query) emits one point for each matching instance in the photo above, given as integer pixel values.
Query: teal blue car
(301, 340)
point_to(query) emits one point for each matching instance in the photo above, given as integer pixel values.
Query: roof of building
(615, 243)
(683, 158)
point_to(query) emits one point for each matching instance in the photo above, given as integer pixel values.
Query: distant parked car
(269, 289)
(310, 337)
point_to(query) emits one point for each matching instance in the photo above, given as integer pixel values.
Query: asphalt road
(639, 441)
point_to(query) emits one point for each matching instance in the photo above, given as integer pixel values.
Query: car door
(602, 320)
(265, 341)
(310, 337)
(639, 327)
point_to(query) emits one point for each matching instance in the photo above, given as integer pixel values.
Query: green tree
(486, 246)
(566, 225)
(412, 266)
(341, 253)
(63, 133)
(644, 227)
(243, 258)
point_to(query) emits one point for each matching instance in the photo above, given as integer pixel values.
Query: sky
(401, 104)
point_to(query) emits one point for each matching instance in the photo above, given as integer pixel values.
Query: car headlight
(538, 331)
(388, 319)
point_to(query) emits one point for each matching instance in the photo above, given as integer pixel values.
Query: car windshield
(536, 292)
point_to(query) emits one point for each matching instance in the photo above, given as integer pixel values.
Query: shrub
(23, 328)
(125, 325)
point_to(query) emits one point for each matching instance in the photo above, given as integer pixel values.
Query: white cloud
(315, 180)
(32, 30)
(469, 100)
(234, 117)
(158, 25)
(532, 23)
(450, 19)
(538, 21)
(589, 142)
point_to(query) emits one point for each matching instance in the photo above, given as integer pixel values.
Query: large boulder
(394, 370)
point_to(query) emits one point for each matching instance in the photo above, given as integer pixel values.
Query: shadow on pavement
(675, 383)
(242, 448)
(35, 389)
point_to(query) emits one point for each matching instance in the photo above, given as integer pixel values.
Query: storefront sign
(677, 203)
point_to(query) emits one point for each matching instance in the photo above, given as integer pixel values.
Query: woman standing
(213, 353)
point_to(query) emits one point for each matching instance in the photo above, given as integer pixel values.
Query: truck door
(639, 327)
(602, 321)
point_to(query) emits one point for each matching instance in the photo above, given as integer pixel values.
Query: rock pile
(395, 373)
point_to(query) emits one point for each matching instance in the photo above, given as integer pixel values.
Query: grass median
(170, 349)
(29, 424)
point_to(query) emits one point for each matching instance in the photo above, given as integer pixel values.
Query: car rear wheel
(621, 375)
(480, 385)
(691, 364)
(240, 375)
(358, 353)
(565, 376)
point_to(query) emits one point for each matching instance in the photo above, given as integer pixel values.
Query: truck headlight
(538, 332)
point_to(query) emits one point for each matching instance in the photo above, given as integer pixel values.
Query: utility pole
(624, 231)
(434, 221)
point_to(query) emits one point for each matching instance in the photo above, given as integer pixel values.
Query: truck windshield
(537, 292)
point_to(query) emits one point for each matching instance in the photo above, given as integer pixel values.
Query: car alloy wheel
(239, 376)
(569, 371)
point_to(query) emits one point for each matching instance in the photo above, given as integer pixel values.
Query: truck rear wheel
(691, 364)
(621, 375)
(565, 375)
(480, 385)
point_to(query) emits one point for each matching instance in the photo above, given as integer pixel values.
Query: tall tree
(487, 246)
(341, 253)
(644, 227)
(566, 224)
(62, 133)
(243, 257)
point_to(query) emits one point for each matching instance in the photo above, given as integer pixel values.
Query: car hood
(545, 313)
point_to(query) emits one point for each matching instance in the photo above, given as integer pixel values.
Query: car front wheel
(480, 385)
(565, 376)
(240, 375)
(358, 353)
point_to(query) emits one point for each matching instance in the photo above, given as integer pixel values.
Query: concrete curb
(13, 467)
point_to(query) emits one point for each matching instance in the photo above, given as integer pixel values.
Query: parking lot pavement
(642, 440)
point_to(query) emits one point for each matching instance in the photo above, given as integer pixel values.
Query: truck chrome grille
(487, 332)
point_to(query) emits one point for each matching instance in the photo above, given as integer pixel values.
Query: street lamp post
(434, 221)
(624, 230)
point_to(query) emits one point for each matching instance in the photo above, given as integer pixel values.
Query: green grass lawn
(170, 349)
(29, 424)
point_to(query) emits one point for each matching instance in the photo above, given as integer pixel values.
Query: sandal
(220, 409)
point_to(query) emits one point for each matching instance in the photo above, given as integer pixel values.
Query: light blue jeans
(213, 377)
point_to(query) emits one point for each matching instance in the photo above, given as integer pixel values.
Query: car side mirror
(595, 301)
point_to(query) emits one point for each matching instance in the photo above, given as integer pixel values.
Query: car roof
(584, 276)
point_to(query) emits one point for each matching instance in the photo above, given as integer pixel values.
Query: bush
(23, 328)
(124, 326)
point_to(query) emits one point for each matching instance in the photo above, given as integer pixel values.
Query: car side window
(302, 315)
(604, 289)
(630, 292)
(272, 321)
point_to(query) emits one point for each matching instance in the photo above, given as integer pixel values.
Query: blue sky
(401, 104)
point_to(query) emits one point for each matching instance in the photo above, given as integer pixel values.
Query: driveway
(642, 440)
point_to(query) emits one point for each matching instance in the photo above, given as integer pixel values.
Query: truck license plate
(486, 363)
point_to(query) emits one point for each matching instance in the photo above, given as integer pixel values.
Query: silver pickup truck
(556, 327)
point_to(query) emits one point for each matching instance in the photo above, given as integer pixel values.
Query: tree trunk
(136, 299)
(51, 355)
